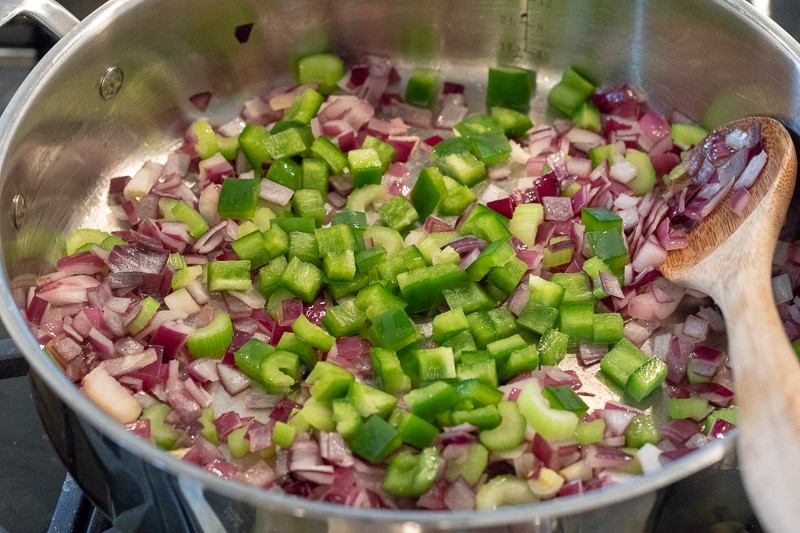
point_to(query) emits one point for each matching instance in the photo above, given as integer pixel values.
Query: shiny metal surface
(51, 15)
(61, 142)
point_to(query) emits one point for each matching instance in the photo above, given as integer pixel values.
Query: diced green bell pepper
(376, 439)
(229, 275)
(253, 143)
(388, 372)
(514, 123)
(427, 401)
(238, 198)
(564, 398)
(365, 166)
(422, 89)
(398, 214)
(302, 279)
(428, 192)
(393, 330)
(509, 87)
(304, 106)
(371, 401)
(422, 288)
(553, 347)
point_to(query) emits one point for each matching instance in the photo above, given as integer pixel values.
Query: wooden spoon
(729, 257)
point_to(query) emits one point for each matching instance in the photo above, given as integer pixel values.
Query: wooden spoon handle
(768, 396)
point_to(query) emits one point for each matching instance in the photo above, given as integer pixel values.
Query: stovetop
(36, 494)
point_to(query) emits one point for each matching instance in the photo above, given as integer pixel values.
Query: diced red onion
(275, 192)
(334, 449)
(459, 496)
(599, 456)
(679, 430)
(200, 100)
(557, 208)
(590, 353)
(616, 421)
(233, 380)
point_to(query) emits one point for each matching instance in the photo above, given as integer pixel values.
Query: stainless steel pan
(114, 91)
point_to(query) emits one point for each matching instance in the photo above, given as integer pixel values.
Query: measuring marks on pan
(528, 32)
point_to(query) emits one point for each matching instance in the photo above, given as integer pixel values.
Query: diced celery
(645, 173)
(552, 424)
(325, 69)
(211, 341)
(525, 221)
(504, 490)
(366, 196)
(312, 334)
(509, 433)
(687, 135)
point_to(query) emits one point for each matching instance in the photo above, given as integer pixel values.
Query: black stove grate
(75, 513)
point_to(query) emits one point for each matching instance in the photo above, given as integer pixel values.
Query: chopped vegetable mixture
(363, 292)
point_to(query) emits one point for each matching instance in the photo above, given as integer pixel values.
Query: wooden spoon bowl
(729, 257)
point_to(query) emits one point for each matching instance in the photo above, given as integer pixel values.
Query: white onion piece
(518, 153)
(459, 496)
(492, 193)
(650, 255)
(129, 363)
(280, 102)
(177, 164)
(233, 380)
(215, 165)
(782, 288)
(751, 171)
(649, 457)
(737, 139)
(232, 128)
(623, 172)
(182, 300)
(275, 192)
(112, 397)
(630, 217)
(251, 297)
(141, 182)
(207, 205)
(625, 201)
(696, 327)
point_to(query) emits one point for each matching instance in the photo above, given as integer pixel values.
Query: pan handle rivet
(111, 82)
(17, 210)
